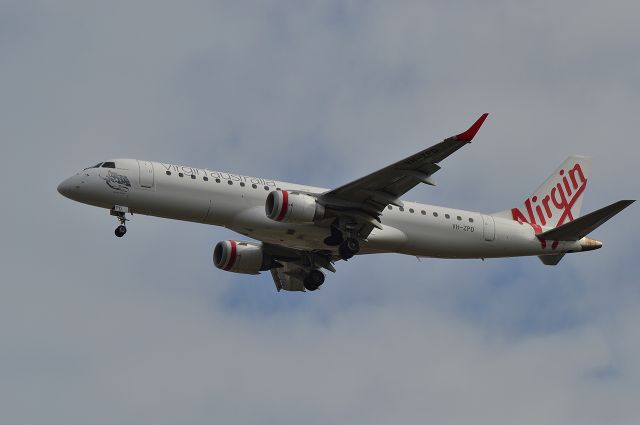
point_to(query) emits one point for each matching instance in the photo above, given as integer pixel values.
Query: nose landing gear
(120, 212)
(120, 231)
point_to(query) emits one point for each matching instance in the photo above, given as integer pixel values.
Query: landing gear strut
(313, 280)
(122, 228)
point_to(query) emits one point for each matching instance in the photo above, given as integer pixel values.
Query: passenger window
(217, 180)
(435, 214)
(447, 216)
(470, 220)
(266, 188)
(230, 182)
(255, 186)
(389, 207)
(423, 212)
(401, 208)
(411, 210)
(242, 184)
(109, 165)
(205, 178)
(193, 177)
(459, 218)
(168, 173)
(180, 175)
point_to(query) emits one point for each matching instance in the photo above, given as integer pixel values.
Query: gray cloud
(146, 330)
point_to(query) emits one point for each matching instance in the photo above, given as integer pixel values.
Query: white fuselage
(238, 203)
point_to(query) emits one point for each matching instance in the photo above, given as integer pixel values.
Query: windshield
(95, 166)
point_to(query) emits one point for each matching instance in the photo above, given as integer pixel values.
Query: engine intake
(293, 207)
(240, 257)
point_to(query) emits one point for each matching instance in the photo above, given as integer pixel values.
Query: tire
(120, 231)
(349, 248)
(316, 277)
(308, 285)
(353, 245)
(345, 254)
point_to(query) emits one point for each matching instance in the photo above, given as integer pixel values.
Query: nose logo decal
(117, 182)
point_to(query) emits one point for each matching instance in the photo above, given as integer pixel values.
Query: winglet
(468, 135)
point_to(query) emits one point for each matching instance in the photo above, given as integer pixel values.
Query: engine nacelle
(240, 257)
(293, 207)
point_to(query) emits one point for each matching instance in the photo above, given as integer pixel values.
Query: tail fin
(558, 200)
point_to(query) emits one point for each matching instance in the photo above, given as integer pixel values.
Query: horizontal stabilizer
(582, 226)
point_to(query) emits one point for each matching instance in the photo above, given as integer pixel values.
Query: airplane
(300, 230)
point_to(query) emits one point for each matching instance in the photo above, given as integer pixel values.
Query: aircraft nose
(67, 187)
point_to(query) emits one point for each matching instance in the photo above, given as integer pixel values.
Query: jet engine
(293, 207)
(240, 257)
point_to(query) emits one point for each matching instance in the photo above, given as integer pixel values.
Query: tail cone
(589, 244)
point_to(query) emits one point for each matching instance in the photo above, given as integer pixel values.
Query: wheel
(349, 248)
(313, 280)
(345, 254)
(353, 245)
(317, 277)
(120, 231)
(309, 286)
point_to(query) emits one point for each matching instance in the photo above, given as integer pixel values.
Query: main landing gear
(120, 212)
(344, 235)
(313, 280)
(349, 248)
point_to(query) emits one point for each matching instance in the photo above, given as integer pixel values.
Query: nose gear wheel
(121, 230)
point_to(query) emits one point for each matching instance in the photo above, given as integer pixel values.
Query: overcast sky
(145, 330)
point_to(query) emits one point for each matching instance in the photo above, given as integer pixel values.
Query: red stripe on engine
(233, 256)
(285, 205)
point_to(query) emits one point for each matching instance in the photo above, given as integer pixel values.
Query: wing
(372, 193)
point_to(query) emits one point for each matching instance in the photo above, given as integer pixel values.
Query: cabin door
(146, 173)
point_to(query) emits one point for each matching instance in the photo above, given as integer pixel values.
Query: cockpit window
(109, 165)
(95, 166)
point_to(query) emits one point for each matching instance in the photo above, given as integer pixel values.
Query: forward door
(146, 173)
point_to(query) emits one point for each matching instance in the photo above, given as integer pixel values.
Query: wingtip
(468, 135)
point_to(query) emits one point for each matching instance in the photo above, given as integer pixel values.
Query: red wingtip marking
(468, 135)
